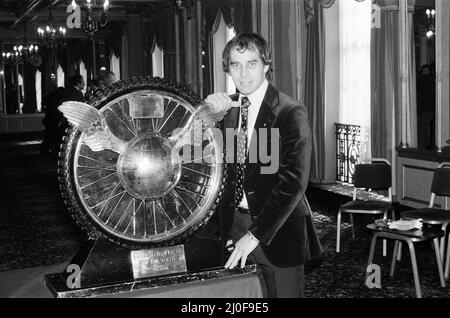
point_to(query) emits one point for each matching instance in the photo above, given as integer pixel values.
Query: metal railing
(347, 151)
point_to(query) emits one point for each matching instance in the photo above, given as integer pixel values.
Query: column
(177, 47)
(404, 71)
(442, 73)
(199, 20)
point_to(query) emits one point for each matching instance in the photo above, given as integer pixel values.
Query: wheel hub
(149, 168)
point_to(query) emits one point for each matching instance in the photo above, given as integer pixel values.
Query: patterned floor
(36, 230)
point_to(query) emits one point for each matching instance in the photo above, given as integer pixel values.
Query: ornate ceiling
(15, 13)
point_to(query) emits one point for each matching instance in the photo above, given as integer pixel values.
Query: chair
(410, 237)
(374, 174)
(447, 262)
(434, 216)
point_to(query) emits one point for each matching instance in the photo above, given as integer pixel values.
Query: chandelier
(21, 52)
(51, 37)
(11, 58)
(431, 22)
(91, 25)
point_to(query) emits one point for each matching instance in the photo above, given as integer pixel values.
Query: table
(29, 283)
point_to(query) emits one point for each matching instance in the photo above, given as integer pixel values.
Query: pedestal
(101, 268)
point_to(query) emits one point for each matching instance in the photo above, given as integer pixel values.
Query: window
(60, 76)
(157, 60)
(38, 91)
(20, 81)
(223, 34)
(114, 65)
(83, 72)
(355, 29)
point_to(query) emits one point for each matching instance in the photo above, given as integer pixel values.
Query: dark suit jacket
(281, 216)
(72, 94)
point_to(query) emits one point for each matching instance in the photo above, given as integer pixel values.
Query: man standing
(73, 91)
(266, 214)
(109, 78)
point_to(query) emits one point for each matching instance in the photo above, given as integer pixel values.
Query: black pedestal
(101, 268)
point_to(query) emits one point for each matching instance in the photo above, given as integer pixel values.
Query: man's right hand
(215, 107)
(222, 102)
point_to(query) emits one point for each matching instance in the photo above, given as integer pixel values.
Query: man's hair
(107, 74)
(247, 41)
(75, 80)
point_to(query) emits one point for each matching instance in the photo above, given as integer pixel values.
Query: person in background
(109, 78)
(51, 120)
(74, 89)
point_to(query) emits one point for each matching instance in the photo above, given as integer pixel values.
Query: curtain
(236, 14)
(286, 47)
(314, 90)
(385, 83)
(29, 85)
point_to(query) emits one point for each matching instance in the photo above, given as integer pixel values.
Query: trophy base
(102, 269)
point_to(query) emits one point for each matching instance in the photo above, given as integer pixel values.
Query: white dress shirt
(256, 99)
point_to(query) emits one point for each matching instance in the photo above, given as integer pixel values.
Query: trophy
(141, 171)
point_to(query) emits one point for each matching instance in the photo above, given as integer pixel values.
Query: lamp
(431, 22)
(21, 52)
(92, 25)
(10, 58)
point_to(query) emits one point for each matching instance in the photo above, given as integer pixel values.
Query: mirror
(424, 38)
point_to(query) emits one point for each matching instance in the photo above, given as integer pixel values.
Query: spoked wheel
(150, 192)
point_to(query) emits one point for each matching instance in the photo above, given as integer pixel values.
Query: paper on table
(405, 225)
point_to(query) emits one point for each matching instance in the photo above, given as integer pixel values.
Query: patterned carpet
(36, 230)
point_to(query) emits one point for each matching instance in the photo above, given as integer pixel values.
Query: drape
(29, 98)
(314, 90)
(236, 13)
(385, 83)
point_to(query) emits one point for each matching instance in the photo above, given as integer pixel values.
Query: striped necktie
(241, 150)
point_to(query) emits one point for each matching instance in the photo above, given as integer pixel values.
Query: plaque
(158, 261)
(147, 106)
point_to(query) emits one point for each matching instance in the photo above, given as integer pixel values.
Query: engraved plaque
(147, 106)
(158, 261)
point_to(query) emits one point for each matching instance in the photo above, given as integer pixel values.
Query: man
(51, 120)
(270, 218)
(74, 89)
(109, 78)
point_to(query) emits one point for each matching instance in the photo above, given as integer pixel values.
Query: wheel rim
(148, 194)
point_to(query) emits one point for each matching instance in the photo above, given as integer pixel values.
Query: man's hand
(215, 107)
(221, 101)
(242, 249)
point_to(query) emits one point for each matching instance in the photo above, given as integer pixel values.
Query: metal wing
(90, 121)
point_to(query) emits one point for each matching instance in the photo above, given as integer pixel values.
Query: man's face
(110, 79)
(247, 70)
(81, 85)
